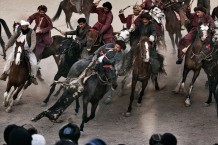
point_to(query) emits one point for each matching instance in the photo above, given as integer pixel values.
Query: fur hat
(168, 139)
(200, 8)
(19, 136)
(108, 5)
(146, 15)
(8, 130)
(96, 141)
(38, 139)
(24, 23)
(137, 7)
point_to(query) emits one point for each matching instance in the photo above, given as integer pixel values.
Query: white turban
(24, 23)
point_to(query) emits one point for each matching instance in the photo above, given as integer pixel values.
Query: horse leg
(10, 100)
(7, 94)
(216, 101)
(58, 91)
(84, 116)
(19, 90)
(144, 84)
(87, 15)
(184, 76)
(39, 75)
(56, 58)
(3, 47)
(173, 42)
(93, 109)
(53, 85)
(77, 105)
(134, 81)
(188, 99)
(156, 83)
(178, 37)
(212, 89)
(68, 17)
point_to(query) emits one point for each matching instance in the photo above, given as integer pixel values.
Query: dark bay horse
(68, 7)
(95, 87)
(214, 14)
(191, 62)
(8, 33)
(141, 71)
(19, 77)
(71, 53)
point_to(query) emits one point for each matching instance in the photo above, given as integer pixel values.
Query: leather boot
(4, 76)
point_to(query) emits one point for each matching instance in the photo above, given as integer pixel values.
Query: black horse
(95, 87)
(71, 53)
(8, 33)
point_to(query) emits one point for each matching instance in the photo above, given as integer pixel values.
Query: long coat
(104, 23)
(80, 34)
(128, 20)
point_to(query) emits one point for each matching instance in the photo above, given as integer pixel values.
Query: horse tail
(58, 13)
(160, 58)
(7, 31)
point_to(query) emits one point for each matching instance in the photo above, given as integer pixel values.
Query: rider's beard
(25, 31)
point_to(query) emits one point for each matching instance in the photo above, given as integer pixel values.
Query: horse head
(16, 25)
(18, 51)
(123, 35)
(64, 46)
(204, 31)
(93, 39)
(156, 13)
(143, 48)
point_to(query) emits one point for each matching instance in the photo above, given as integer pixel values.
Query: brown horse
(191, 63)
(19, 77)
(69, 7)
(8, 33)
(214, 14)
(141, 70)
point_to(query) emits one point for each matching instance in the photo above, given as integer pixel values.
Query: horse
(141, 70)
(214, 14)
(190, 63)
(157, 16)
(71, 53)
(95, 87)
(173, 25)
(8, 33)
(19, 77)
(68, 7)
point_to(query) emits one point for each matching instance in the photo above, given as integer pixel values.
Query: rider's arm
(31, 18)
(122, 18)
(94, 8)
(107, 24)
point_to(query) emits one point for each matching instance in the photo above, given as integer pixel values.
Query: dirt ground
(161, 111)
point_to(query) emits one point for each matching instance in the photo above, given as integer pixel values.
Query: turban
(24, 23)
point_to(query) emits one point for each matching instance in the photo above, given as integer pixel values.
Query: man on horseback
(148, 4)
(80, 32)
(105, 18)
(205, 4)
(196, 19)
(30, 44)
(43, 30)
(147, 28)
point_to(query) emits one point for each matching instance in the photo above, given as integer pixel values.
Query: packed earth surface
(160, 112)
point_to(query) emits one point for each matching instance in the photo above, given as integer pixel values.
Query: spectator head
(7, 132)
(30, 128)
(38, 139)
(65, 142)
(155, 139)
(20, 136)
(96, 141)
(70, 132)
(168, 139)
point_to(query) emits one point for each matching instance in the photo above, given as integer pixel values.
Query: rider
(147, 28)
(24, 30)
(148, 4)
(131, 20)
(205, 4)
(105, 18)
(80, 32)
(43, 30)
(196, 19)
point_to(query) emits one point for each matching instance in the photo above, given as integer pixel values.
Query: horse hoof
(187, 103)
(175, 91)
(108, 100)
(43, 104)
(139, 104)
(5, 104)
(127, 114)
(8, 110)
(59, 121)
(34, 119)
(82, 133)
(206, 104)
(17, 103)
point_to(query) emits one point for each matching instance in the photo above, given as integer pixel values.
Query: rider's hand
(121, 11)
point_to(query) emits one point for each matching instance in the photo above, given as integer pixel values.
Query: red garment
(104, 23)
(186, 40)
(147, 4)
(128, 20)
(42, 39)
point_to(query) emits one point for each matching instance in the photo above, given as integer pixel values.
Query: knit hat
(96, 141)
(20, 136)
(200, 8)
(168, 139)
(8, 130)
(38, 139)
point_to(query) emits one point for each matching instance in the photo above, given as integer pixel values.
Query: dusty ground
(161, 111)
